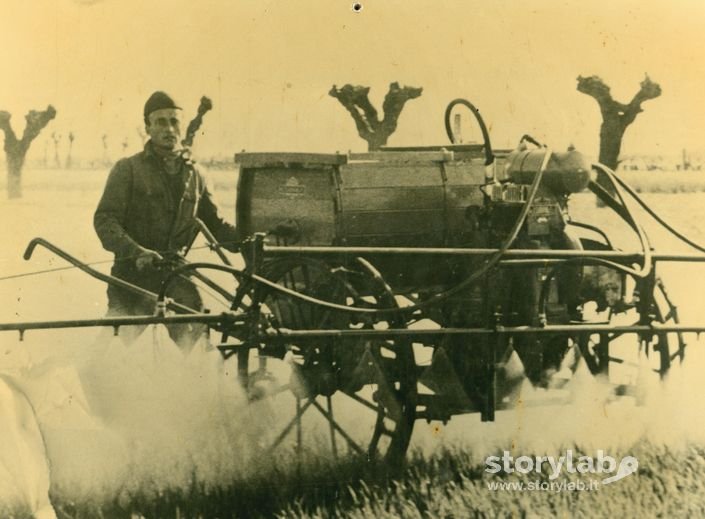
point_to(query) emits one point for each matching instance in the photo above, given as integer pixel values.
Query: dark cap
(157, 101)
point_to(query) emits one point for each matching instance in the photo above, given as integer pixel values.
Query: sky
(268, 67)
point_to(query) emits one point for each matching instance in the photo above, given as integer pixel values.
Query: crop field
(665, 181)
(144, 431)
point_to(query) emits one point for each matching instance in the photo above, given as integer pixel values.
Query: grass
(665, 181)
(448, 484)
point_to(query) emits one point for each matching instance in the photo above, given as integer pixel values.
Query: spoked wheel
(357, 392)
(669, 347)
(627, 356)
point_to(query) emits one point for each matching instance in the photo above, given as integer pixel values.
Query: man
(148, 214)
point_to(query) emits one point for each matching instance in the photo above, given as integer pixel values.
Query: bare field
(144, 430)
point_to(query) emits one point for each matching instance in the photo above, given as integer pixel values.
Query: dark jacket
(140, 207)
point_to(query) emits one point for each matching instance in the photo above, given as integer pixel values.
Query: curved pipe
(258, 279)
(592, 228)
(656, 217)
(489, 155)
(602, 194)
(643, 240)
(111, 280)
(215, 244)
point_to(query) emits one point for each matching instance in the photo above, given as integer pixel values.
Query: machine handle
(213, 242)
(111, 280)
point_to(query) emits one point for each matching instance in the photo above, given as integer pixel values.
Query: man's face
(164, 128)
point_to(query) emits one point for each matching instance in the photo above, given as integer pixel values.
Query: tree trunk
(611, 134)
(15, 160)
(14, 180)
(16, 149)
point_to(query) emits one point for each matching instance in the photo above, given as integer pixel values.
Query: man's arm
(225, 233)
(109, 218)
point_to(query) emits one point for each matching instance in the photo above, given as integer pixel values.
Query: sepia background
(119, 423)
(268, 67)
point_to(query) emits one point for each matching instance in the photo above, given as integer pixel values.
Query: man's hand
(147, 258)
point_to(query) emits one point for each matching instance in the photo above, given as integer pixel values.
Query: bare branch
(205, 105)
(649, 90)
(348, 97)
(36, 121)
(598, 90)
(394, 103)
(361, 99)
(595, 87)
(5, 126)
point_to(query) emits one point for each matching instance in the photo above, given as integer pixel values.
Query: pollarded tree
(369, 126)
(106, 157)
(69, 156)
(57, 139)
(616, 116)
(16, 149)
